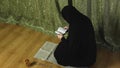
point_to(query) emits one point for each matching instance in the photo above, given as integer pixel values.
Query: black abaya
(79, 49)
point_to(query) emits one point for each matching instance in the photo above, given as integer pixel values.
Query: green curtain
(44, 15)
(106, 17)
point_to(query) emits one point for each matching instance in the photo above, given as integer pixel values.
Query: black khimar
(79, 49)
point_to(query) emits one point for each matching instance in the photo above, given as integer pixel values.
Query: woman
(79, 49)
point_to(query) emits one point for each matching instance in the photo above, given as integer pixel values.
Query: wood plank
(18, 43)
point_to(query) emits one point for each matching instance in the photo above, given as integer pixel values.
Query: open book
(60, 30)
(45, 51)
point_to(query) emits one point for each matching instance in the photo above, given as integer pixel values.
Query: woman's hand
(66, 27)
(60, 36)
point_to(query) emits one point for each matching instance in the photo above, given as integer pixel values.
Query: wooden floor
(18, 43)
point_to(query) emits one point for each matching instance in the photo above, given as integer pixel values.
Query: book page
(60, 30)
(46, 50)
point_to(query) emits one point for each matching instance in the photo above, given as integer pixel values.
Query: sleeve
(61, 52)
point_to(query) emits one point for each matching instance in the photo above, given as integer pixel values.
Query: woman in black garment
(79, 49)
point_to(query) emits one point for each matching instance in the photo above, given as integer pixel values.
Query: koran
(60, 30)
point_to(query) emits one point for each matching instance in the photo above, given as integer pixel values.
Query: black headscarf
(72, 15)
